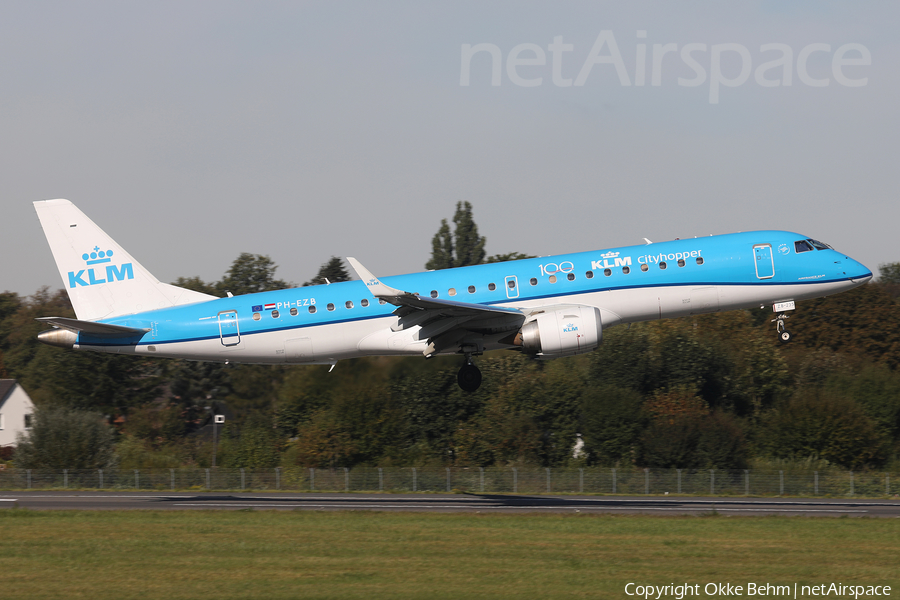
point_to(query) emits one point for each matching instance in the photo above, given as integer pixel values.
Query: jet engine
(561, 331)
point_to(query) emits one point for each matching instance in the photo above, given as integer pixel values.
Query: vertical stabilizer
(102, 279)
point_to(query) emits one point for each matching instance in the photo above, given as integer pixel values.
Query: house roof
(6, 386)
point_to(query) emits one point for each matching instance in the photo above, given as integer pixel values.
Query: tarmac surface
(450, 503)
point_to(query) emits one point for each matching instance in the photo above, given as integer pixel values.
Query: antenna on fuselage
(648, 241)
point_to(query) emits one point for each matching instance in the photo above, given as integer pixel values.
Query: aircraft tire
(785, 336)
(469, 378)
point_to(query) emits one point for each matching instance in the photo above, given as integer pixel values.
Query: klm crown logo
(610, 255)
(98, 275)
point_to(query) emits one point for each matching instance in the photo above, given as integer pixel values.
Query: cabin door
(765, 265)
(229, 333)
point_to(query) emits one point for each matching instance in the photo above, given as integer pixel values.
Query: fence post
(312, 479)
(137, 479)
(851, 483)
(887, 484)
(101, 478)
(448, 479)
(746, 482)
(346, 479)
(380, 480)
(242, 479)
(580, 481)
(28, 472)
(415, 482)
(172, 476)
(207, 478)
(515, 480)
(816, 477)
(65, 478)
(781, 483)
(614, 480)
(712, 482)
(481, 477)
(277, 478)
(548, 480)
(646, 481)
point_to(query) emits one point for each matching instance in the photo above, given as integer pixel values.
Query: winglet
(378, 289)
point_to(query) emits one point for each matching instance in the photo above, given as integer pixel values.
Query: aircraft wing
(444, 323)
(96, 329)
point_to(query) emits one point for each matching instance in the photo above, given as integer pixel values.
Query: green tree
(465, 247)
(331, 271)
(611, 423)
(251, 273)
(63, 438)
(495, 258)
(890, 273)
(823, 425)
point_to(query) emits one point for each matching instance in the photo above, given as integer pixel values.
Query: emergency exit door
(765, 265)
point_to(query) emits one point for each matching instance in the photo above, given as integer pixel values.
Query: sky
(194, 131)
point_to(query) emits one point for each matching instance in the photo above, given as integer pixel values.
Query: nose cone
(856, 271)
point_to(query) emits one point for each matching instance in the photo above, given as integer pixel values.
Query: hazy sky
(194, 131)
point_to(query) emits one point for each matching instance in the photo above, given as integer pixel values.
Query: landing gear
(469, 377)
(783, 334)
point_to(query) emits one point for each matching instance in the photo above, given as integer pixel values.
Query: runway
(449, 503)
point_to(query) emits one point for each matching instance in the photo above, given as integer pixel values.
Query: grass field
(275, 555)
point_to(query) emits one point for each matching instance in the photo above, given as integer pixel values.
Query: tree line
(709, 391)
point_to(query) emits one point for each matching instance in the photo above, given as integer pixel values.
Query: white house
(16, 410)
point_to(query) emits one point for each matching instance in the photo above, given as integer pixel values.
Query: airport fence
(596, 480)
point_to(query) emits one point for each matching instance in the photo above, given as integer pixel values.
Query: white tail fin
(102, 279)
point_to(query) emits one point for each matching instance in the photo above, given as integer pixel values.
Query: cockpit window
(802, 246)
(819, 245)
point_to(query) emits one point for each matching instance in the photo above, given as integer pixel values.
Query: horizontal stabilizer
(95, 329)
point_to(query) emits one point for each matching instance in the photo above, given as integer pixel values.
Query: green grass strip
(301, 554)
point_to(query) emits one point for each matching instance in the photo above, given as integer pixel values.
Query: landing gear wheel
(785, 336)
(469, 378)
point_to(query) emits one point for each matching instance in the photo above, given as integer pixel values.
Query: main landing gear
(469, 376)
(783, 334)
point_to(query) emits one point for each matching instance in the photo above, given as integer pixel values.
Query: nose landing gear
(783, 334)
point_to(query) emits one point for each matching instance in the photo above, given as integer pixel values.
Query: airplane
(546, 307)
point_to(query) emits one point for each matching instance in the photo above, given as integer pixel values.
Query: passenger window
(533, 281)
(589, 274)
(312, 310)
(330, 306)
(680, 262)
(471, 289)
(626, 270)
(349, 303)
(802, 246)
(451, 291)
(293, 312)
(644, 267)
(364, 302)
(511, 283)
(382, 301)
(552, 279)
(571, 276)
(607, 272)
(256, 316)
(699, 260)
(663, 266)
(434, 293)
(275, 314)
(492, 287)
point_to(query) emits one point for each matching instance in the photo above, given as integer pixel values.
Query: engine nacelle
(562, 331)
